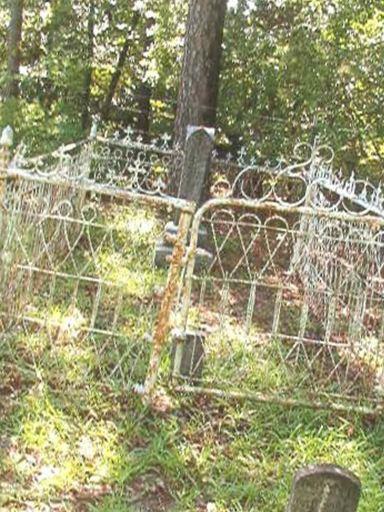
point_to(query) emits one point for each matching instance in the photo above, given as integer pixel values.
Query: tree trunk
(115, 78)
(105, 110)
(144, 90)
(47, 91)
(199, 86)
(14, 54)
(144, 93)
(88, 70)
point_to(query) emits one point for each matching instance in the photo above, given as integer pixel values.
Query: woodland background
(290, 70)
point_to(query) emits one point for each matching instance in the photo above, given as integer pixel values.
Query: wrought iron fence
(78, 282)
(287, 303)
(281, 295)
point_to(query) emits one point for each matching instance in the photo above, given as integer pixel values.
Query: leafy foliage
(292, 69)
(305, 68)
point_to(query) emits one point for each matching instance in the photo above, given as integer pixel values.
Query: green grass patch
(74, 437)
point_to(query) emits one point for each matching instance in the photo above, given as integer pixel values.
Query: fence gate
(283, 293)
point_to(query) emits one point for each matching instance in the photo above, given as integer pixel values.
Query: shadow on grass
(97, 448)
(73, 436)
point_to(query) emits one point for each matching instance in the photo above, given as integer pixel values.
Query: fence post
(196, 168)
(6, 142)
(305, 219)
(163, 322)
(325, 488)
(87, 156)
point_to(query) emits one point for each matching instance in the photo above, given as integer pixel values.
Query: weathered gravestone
(194, 177)
(188, 355)
(188, 347)
(325, 488)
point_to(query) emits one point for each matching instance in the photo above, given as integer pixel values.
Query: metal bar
(59, 152)
(286, 402)
(250, 307)
(266, 284)
(87, 185)
(277, 311)
(129, 144)
(164, 317)
(65, 275)
(87, 330)
(284, 208)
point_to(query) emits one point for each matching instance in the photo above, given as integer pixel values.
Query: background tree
(289, 71)
(199, 87)
(14, 51)
(303, 68)
(88, 66)
(118, 71)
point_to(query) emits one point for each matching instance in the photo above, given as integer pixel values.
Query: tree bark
(12, 88)
(116, 75)
(199, 86)
(144, 93)
(85, 116)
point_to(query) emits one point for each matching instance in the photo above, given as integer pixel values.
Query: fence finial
(6, 139)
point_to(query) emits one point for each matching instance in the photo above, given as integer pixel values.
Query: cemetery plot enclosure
(280, 290)
(289, 304)
(77, 277)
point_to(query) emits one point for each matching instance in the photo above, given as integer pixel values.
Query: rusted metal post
(6, 142)
(164, 317)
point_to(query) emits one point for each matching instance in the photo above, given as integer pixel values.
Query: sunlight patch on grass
(132, 277)
(72, 426)
(56, 452)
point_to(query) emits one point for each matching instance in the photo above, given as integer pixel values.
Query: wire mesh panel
(78, 284)
(283, 296)
(278, 324)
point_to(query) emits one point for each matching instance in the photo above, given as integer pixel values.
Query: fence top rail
(306, 179)
(88, 185)
(160, 146)
(21, 160)
(310, 169)
(236, 203)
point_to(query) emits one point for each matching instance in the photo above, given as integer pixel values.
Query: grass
(74, 438)
(100, 451)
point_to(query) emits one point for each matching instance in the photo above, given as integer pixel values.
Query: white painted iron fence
(77, 279)
(288, 304)
(279, 279)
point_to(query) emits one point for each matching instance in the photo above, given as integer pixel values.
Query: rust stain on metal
(163, 320)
